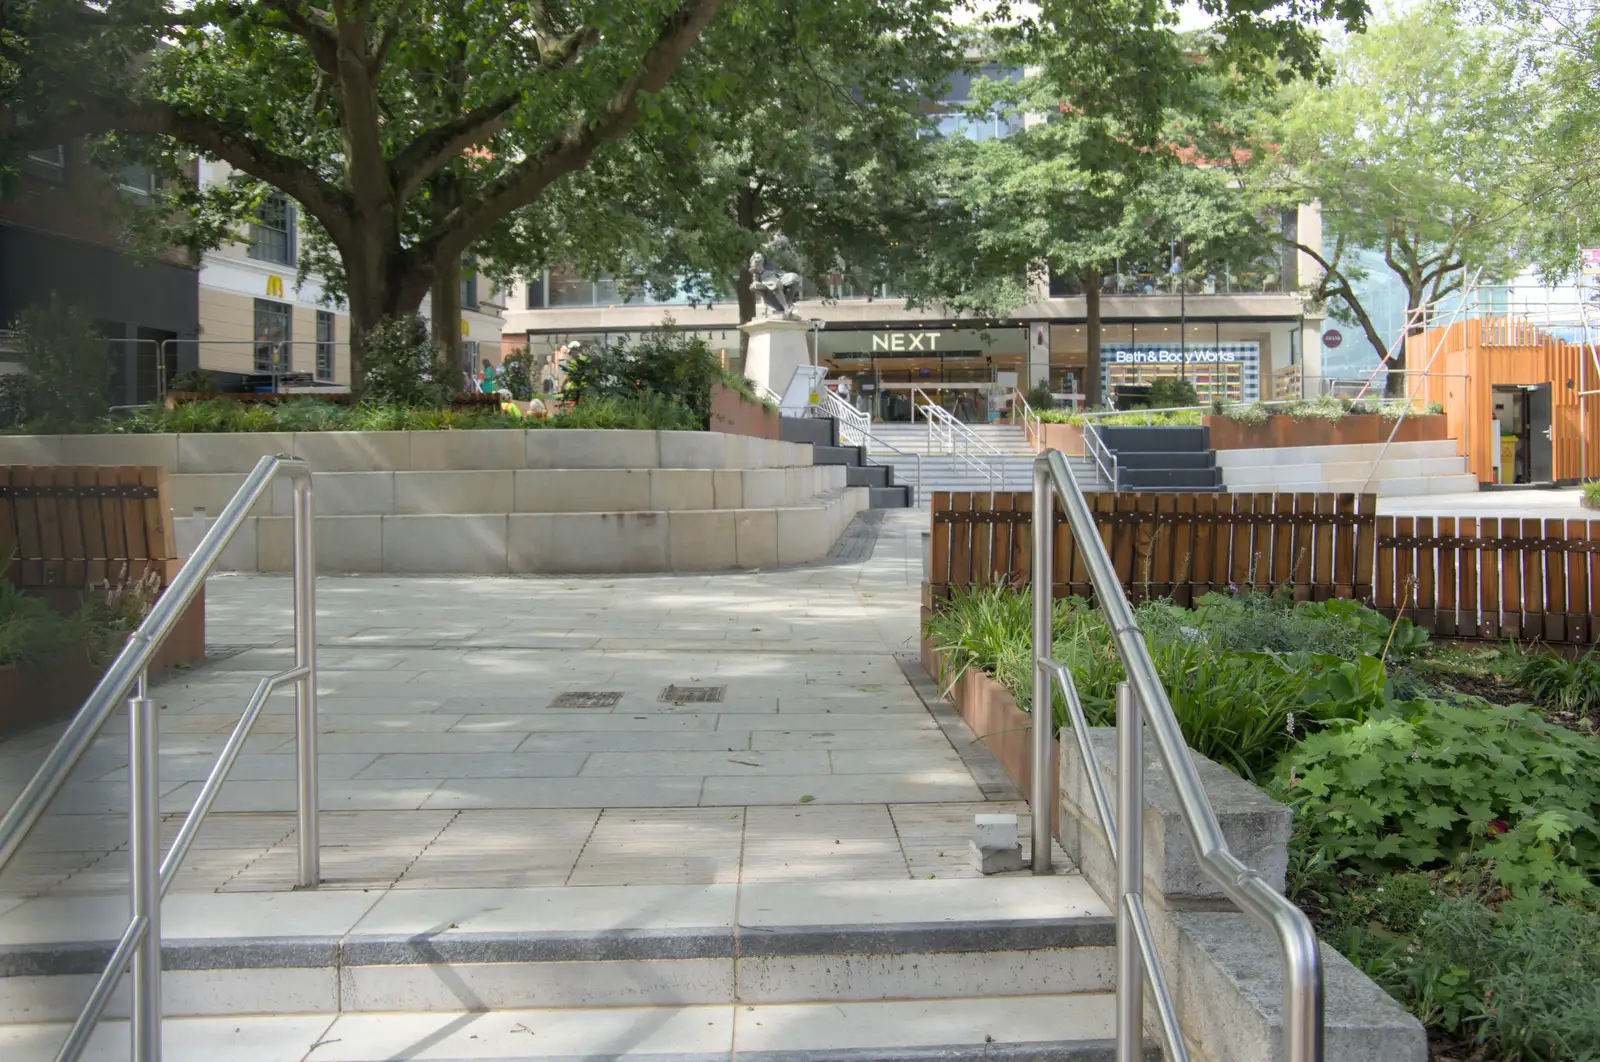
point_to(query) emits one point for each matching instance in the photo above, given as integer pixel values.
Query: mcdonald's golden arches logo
(275, 286)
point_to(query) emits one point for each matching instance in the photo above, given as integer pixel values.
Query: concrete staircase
(1011, 967)
(1406, 469)
(1163, 459)
(1006, 438)
(886, 489)
(943, 471)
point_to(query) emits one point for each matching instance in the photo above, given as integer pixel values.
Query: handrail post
(1130, 873)
(144, 852)
(1044, 511)
(305, 689)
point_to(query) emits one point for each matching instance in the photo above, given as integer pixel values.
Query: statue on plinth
(777, 288)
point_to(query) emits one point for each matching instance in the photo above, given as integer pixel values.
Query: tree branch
(391, 29)
(572, 150)
(432, 150)
(1346, 293)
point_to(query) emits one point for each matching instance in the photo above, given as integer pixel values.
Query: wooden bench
(82, 530)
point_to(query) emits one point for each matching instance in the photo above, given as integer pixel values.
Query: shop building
(260, 329)
(1235, 338)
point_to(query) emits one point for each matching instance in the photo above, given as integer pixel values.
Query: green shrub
(516, 375)
(67, 367)
(1323, 407)
(309, 414)
(404, 367)
(1591, 494)
(1425, 783)
(196, 381)
(1250, 414)
(675, 366)
(641, 413)
(1040, 397)
(742, 384)
(1572, 685)
(1169, 391)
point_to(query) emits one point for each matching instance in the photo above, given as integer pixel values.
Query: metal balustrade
(1142, 704)
(139, 949)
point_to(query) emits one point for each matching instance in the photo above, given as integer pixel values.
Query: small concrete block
(803, 534)
(995, 831)
(451, 451)
(568, 490)
(468, 544)
(424, 493)
(160, 450)
(729, 487)
(354, 451)
(742, 451)
(606, 543)
(585, 448)
(237, 452)
(756, 536)
(679, 488)
(995, 860)
(693, 449)
(703, 541)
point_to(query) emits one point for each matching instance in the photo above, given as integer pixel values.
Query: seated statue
(778, 290)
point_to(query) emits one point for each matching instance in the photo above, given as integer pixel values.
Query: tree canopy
(1414, 149)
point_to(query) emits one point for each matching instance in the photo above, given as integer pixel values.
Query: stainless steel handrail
(941, 422)
(1143, 695)
(139, 948)
(1104, 458)
(860, 426)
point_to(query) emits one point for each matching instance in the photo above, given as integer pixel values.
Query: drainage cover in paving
(694, 694)
(587, 699)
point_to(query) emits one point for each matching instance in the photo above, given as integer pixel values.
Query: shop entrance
(1526, 433)
(972, 388)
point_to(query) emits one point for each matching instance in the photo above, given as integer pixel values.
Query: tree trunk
(446, 306)
(1394, 386)
(1091, 312)
(747, 310)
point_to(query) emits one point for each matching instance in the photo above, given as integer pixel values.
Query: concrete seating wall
(407, 451)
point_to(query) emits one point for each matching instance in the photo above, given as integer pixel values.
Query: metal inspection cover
(587, 699)
(694, 694)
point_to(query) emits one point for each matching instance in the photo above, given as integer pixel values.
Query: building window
(536, 296)
(469, 284)
(324, 345)
(273, 334)
(136, 180)
(50, 163)
(273, 237)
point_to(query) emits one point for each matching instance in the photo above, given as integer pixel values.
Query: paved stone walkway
(525, 732)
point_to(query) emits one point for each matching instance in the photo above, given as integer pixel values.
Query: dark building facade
(61, 235)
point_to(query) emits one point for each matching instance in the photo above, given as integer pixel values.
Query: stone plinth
(777, 348)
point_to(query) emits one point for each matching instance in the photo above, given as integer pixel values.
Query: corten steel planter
(734, 414)
(1358, 428)
(992, 713)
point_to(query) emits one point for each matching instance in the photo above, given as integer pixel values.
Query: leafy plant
(1169, 391)
(403, 367)
(194, 380)
(516, 375)
(1040, 397)
(738, 382)
(1570, 684)
(1322, 407)
(66, 366)
(1591, 494)
(1425, 783)
(676, 366)
(1250, 414)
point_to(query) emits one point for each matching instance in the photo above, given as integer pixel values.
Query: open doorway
(1526, 440)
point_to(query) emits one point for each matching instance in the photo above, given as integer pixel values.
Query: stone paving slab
(446, 763)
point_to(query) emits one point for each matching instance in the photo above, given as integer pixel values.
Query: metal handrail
(1142, 701)
(140, 944)
(1105, 458)
(1031, 423)
(944, 429)
(855, 429)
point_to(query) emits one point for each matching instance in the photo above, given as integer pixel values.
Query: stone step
(1245, 477)
(601, 946)
(571, 490)
(1060, 1028)
(1403, 486)
(498, 543)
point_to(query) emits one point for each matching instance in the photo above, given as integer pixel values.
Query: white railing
(1031, 423)
(948, 435)
(855, 429)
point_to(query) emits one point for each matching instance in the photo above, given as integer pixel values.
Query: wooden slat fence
(80, 526)
(1456, 577)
